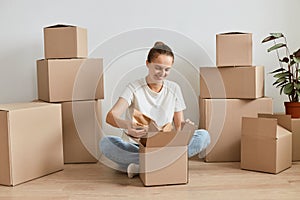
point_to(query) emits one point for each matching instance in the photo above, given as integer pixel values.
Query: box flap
(59, 26)
(170, 138)
(282, 132)
(282, 119)
(232, 33)
(259, 127)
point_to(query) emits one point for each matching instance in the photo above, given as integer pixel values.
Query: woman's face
(159, 68)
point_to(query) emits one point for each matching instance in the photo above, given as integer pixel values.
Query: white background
(122, 31)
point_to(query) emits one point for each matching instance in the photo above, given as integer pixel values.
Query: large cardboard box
(291, 124)
(234, 49)
(65, 41)
(164, 158)
(265, 146)
(81, 131)
(232, 82)
(31, 141)
(61, 80)
(223, 120)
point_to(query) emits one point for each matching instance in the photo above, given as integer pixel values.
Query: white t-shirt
(160, 106)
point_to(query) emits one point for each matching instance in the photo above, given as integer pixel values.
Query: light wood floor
(207, 181)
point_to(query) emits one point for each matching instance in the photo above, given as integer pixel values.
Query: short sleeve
(128, 94)
(179, 102)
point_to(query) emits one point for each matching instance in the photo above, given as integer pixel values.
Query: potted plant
(287, 75)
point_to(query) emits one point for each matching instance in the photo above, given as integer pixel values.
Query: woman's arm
(113, 118)
(178, 119)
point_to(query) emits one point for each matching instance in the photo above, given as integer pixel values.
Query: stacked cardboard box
(31, 141)
(68, 77)
(228, 92)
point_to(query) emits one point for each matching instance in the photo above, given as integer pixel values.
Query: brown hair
(159, 48)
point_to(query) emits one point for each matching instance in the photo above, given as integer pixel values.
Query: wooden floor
(207, 181)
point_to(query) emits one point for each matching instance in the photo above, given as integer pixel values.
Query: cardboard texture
(81, 131)
(232, 82)
(291, 124)
(222, 118)
(265, 146)
(61, 80)
(234, 49)
(163, 157)
(163, 152)
(65, 41)
(31, 141)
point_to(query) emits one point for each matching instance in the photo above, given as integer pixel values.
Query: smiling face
(159, 68)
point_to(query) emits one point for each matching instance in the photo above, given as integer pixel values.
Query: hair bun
(159, 43)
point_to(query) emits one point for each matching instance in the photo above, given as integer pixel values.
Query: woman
(155, 97)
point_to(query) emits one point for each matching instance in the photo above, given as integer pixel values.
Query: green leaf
(277, 35)
(279, 80)
(276, 46)
(297, 86)
(277, 70)
(281, 75)
(280, 92)
(282, 84)
(288, 88)
(296, 59)
(267, 39)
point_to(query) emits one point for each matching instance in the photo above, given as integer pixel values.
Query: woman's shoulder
(138, 83)
(172, 84)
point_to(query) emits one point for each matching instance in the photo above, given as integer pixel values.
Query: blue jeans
(123, 153)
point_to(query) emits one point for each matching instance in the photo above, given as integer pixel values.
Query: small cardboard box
(164, 158)
(232, 82)
(265, 146)
(31, 141)
(222, 118)
(61, 80)
(65, 41)
(81, 131)
(291, 124)
(234, 49)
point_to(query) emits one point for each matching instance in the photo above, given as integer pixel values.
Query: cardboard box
(265, 146)
(234, 49)
(232, 82)
(61, 80)
(65, 41)
(222, 118)
(81, 131)
(163, 157)
(291, 124)
(31, 141)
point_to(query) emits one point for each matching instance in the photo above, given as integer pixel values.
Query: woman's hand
(137, 131)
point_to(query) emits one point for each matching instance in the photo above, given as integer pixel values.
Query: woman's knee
(204, 135)
(105, 144)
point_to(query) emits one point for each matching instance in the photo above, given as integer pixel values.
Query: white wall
(122, 31)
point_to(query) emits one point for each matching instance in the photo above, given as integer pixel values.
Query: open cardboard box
(163, 155)
(265, 146)
(291, 124)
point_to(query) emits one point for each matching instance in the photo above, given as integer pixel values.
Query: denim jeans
(123, 153)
